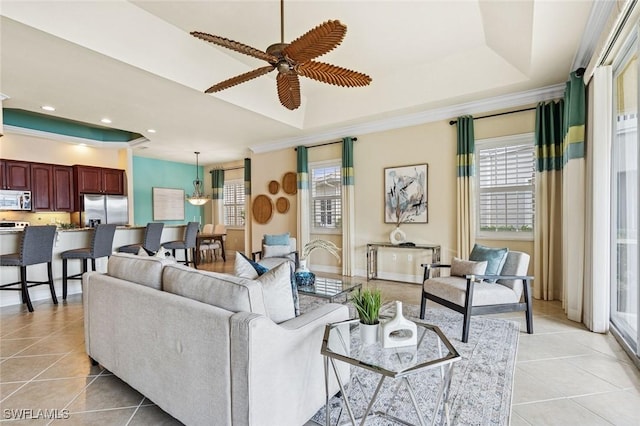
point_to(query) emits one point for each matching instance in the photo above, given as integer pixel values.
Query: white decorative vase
(397, 236)
(398, 331)
(369, 333)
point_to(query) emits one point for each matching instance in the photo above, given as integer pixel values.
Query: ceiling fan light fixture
(198, 197)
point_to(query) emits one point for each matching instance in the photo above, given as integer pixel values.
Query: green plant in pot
(368, 302)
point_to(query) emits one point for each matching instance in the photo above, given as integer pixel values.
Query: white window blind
(326, 196)
(234, 203)
(506, 191)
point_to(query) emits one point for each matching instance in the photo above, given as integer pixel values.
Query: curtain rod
(230, 168)
(452, 122)
(326, 143)
(579, 73)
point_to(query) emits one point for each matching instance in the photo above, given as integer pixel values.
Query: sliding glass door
(625, 298)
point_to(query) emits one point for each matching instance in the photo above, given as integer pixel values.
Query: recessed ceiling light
(48, 108)
(106, 121)
(151, 130)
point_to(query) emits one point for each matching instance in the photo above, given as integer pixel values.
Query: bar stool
(101, 246)
(150, 242)
(189, 243)
(36, 246)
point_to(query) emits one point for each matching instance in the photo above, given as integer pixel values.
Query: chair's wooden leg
(64, 279)
(85, 265)
(529, 311)
(51, 286)
(93, 264)
(193, 257)
(25, 290)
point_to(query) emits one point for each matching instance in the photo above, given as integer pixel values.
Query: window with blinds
(506, 191)
(234, 203)
(326, 196)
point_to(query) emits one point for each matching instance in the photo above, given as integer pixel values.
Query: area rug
(482, 381)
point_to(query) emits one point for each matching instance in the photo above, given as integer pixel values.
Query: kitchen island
(66, 239)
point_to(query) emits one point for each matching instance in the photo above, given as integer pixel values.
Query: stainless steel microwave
(15, 200)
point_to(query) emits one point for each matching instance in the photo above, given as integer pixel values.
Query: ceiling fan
(292, 60)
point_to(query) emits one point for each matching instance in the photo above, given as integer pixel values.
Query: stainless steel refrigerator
(105, 209)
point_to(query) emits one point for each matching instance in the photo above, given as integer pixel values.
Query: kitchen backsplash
(43, 218)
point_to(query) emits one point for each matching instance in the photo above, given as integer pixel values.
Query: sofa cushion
(454, 289)
(247, 268)
(495, 258)
(222, 290)
(462, 268)
(145, 270)
(276, 251)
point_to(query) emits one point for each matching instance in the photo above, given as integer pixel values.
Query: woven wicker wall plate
(274, 187)
(282, 205)
(290, 183)
(262, 209)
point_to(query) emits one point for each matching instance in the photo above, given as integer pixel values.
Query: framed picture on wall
(405, 194)
(168, 204)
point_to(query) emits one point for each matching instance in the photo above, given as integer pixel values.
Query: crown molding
(477, 107)
(9, 129)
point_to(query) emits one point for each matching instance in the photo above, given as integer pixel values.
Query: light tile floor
(565, 375)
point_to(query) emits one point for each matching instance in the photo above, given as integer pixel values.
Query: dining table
(207, 238)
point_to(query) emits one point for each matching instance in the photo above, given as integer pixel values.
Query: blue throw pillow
(258, 267)
(276, 240)
(494, 257)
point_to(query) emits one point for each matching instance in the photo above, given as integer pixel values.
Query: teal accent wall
(149, 173)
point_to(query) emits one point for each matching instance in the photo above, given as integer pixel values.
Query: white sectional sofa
(201, 346)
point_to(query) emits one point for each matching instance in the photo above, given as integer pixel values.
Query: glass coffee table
(341, 343)
(330, 288)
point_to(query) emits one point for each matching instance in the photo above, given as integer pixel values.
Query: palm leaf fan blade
(289, 90)
(240, 79)
(332, 74)
(235, 46)
(316, 42)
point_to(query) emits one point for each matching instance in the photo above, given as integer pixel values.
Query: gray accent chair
(473, 295)
(36, 246)
(271, 262)
(101, 246)
(188, 244)
(150, 242)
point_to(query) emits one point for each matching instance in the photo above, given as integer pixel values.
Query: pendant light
(198, 198)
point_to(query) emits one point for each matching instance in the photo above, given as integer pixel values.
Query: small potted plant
(368, 302)
(305, 277)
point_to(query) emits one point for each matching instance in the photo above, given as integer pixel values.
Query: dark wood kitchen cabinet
(52, 187)
(15, 175)
(98, 180)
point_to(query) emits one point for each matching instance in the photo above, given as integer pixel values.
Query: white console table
(372, 255)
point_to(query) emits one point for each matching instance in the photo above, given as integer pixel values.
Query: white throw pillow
(462, 268)
(275, 251)
(276, 289)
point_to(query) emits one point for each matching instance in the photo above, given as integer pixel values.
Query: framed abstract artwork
(405, 194)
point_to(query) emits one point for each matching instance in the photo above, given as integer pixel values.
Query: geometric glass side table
(341, 343)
